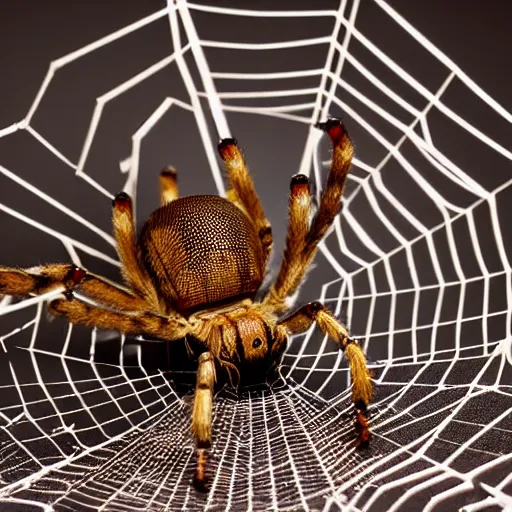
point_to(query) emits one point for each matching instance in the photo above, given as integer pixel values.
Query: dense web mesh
(418, 264)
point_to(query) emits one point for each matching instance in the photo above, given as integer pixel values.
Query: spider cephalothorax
(195, 272)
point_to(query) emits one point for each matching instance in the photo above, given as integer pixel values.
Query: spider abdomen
(201, 250)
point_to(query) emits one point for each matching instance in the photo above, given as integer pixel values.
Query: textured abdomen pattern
(201, 250)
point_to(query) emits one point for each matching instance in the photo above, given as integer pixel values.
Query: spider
(195, 272)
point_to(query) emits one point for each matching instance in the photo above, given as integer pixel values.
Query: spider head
(249, 341)
(255, 338)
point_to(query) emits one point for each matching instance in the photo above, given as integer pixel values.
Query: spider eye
(257, 343)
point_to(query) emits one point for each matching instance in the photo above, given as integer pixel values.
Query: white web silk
(442, 369)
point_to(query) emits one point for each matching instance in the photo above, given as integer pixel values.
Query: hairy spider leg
(295, 264)
(243, 193)
(145, 323)
(202, 416)
(38, 280)
(168, 185)
(300, 253)
(362, 388)
(110, 294)
(124, 232)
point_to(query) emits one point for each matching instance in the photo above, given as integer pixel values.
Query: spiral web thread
(116, 437)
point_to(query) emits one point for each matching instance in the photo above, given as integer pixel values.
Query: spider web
(418, 265)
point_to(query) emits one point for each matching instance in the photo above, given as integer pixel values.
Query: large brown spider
(195, 272)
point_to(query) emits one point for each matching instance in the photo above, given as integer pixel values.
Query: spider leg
(295, 259)
(243, 193)
(362, 388)
(110, 294)
(124, 233)
(146, 323)
(202, 416)
(38, 280)
(301, 244)
(168, 185)
(330, 201)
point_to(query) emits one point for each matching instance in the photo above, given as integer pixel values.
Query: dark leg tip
(227, 142)
(313, 308)
(201, 485)
(299, 180)
(226, 147)
(330, 123)
(333, 127)
(202, 445)
(122, 200)
(361, 426)
(363, 444)
(76, 275)
(360, 406)
(169, 172)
